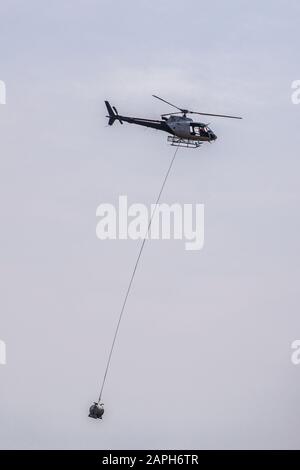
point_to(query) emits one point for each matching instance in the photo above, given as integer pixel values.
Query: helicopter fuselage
(186, 128)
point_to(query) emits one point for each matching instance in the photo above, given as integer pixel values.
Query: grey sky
(203, 356)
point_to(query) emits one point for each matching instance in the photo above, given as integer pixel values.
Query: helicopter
(184, 131)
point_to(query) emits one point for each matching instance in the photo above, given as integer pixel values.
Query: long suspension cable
(133, 274)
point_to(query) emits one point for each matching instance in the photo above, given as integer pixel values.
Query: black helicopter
(184, 131)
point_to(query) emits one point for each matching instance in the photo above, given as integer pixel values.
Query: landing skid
(188, 143)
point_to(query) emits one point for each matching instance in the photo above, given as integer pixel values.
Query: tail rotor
(112, 114)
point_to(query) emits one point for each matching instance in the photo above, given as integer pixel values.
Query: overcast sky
(203, 355)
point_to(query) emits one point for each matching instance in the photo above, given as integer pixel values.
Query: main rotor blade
(186, 111)
(161, 99)
(217, 115)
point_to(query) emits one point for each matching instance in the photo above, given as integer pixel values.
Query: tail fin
(112, 115)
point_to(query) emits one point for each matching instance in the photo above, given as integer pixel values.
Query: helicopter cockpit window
(195, 130)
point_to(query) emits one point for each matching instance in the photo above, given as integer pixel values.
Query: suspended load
(96, 411)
